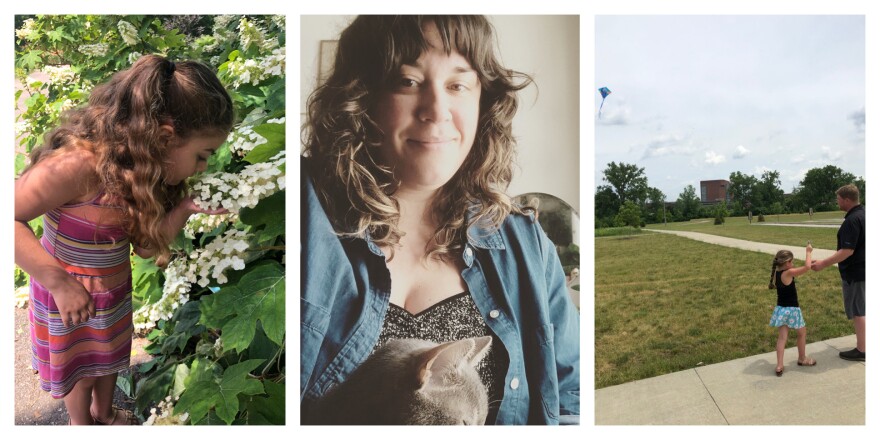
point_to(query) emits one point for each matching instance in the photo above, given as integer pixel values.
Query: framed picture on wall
(325, 59)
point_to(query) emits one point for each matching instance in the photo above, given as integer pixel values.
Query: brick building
(714, 191)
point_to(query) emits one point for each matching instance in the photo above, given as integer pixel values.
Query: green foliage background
(239, 379)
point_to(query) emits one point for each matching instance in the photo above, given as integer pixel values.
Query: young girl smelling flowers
(110, 177)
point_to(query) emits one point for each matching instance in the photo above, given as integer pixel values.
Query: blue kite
(604, 91)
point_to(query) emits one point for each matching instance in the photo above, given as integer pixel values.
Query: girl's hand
(190, 206)
(809, 247)
(74, 302)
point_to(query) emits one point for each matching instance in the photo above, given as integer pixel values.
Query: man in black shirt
(850, 259)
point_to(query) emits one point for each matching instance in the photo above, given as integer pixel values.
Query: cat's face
(461, 400)
(449, 390)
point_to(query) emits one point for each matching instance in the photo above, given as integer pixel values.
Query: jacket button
(514, 384)
(494, 314)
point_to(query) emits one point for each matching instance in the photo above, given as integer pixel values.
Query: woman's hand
(74, 302)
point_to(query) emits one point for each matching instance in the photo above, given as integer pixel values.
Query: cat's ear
(480, 349)
(448, 356)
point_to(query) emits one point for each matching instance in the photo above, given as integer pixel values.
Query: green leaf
(20, 163)
(155, 387)
(274, 134)
(125, 384)
(56, 34)
(174, 342)
(267, 217)
(220, 159)
(262, 347)
(210, 420)
(187, 317)
(31, 59)
(267, 410)
(180, 375)
(202, 369)
(198, 398)
(218, 306)
(258, 296)
(204, 395)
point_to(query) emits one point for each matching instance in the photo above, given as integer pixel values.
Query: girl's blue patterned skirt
(790, 316)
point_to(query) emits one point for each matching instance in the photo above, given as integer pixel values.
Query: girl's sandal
(127, 416)
(779, 371)
(808, 362)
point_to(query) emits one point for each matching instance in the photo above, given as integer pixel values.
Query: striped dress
(86, 240)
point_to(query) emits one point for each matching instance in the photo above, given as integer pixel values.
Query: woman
(407, 231)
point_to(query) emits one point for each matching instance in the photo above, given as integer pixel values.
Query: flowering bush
(215, 314)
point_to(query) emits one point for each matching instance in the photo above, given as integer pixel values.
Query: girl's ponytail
(781, 258)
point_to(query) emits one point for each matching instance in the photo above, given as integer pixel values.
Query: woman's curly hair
(121, 127)
(355, 189)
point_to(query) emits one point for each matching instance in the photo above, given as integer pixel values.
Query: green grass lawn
(739, 227)
(666, 303)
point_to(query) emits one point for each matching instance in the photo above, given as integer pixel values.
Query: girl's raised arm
(808, 263)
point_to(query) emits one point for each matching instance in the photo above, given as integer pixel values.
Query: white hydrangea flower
(128, 32)
(200, 267)
(244, 139)
(252, 36)
(27, 29)
(254, 71)
(243, 190)
(67, 104)
(22, 296)
(22, 128)
(163, 413)
(222, 35)
(94, 50)
(132, 57)
(199, 223)
(60, 76)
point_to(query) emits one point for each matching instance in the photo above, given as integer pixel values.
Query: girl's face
(190, 155)
(428, 116)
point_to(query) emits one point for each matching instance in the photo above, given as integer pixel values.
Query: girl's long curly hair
(355, 189)
(121, 127)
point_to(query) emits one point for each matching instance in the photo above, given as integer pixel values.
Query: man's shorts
(853, 298)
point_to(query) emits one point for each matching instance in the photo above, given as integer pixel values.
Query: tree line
(628, 200)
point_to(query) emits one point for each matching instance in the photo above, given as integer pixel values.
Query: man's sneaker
(853, 355)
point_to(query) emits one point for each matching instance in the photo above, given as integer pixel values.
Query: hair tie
(170, 69)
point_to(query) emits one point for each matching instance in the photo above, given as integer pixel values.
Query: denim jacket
(514, 276)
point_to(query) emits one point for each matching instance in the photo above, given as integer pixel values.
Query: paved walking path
(746, 392)
(767, 248)
(801, 225)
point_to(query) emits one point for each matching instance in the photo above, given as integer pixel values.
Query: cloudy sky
(699, 97)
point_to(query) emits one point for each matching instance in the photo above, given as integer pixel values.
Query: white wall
(546, 126)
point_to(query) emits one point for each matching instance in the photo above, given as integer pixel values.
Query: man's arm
(837, 257)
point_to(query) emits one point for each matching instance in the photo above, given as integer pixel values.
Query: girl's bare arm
(51, 183)
(808, 263)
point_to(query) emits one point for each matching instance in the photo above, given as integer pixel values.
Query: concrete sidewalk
(767, 248)
(746, 392)
(801, 225)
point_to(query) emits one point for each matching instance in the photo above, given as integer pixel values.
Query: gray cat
(410, 382)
